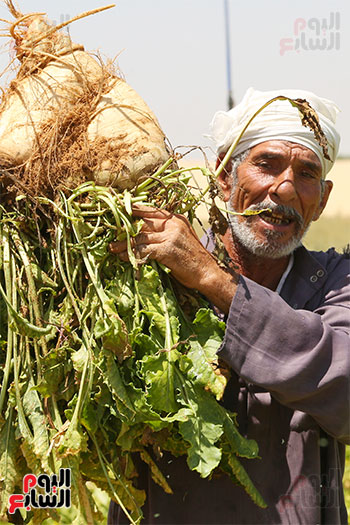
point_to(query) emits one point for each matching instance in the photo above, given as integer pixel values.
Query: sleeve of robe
(301, 357)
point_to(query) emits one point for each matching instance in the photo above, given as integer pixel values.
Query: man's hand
(170, 239)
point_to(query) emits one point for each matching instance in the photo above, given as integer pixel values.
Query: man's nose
(283, 187)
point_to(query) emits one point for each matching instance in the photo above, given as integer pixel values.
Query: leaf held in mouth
(247, 213)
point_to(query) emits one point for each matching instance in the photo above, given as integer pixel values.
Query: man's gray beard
(271, 247)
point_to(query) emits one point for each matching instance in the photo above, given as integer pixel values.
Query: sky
(174, 53)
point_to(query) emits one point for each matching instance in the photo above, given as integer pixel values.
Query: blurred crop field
(329, 232)
(333, 227)
(347, 481)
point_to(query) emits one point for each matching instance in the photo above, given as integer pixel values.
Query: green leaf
(144, 412)
(121, 289)
(146, 345)
(149, 288)
(89, 417)
(103, 395)
(74, 442)
(41, 277)
(55, 367)
(79, 358)
(112, 331)
(202, 430)
(209, 331)
(247, 448)
(115, 383)
(158, 371)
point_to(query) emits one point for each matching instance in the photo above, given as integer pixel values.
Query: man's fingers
(148, 237)
(153, 225)
(123, 256)
(143, 238)
(149, 211)
(117, 247)
(142, 252)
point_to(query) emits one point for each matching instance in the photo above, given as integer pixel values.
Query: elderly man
(287, 336)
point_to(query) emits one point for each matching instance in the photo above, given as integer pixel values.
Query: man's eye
(308, 174)
(264, 164)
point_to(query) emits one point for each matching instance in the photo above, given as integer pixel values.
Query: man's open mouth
(276, 218)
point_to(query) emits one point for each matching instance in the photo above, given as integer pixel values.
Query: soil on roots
(63, 157)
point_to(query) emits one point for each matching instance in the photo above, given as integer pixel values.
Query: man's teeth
(276, 219)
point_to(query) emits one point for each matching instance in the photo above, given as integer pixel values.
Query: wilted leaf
(217, 220)
(74, 442)
(8, 472)
(309, 119)
(132, 498)
(128, 435)
(242, 476)
(89, 417)
(35, 414)
(156, 473)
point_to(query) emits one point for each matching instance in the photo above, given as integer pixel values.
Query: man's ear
(327, 190)
(224, 179)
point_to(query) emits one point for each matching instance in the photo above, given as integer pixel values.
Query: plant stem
(7, 273)
(103, 465)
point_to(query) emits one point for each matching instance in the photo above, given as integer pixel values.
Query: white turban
(278, 121)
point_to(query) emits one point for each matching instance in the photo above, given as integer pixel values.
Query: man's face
(285, 177)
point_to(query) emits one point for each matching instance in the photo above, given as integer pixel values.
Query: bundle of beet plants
(101, 361)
